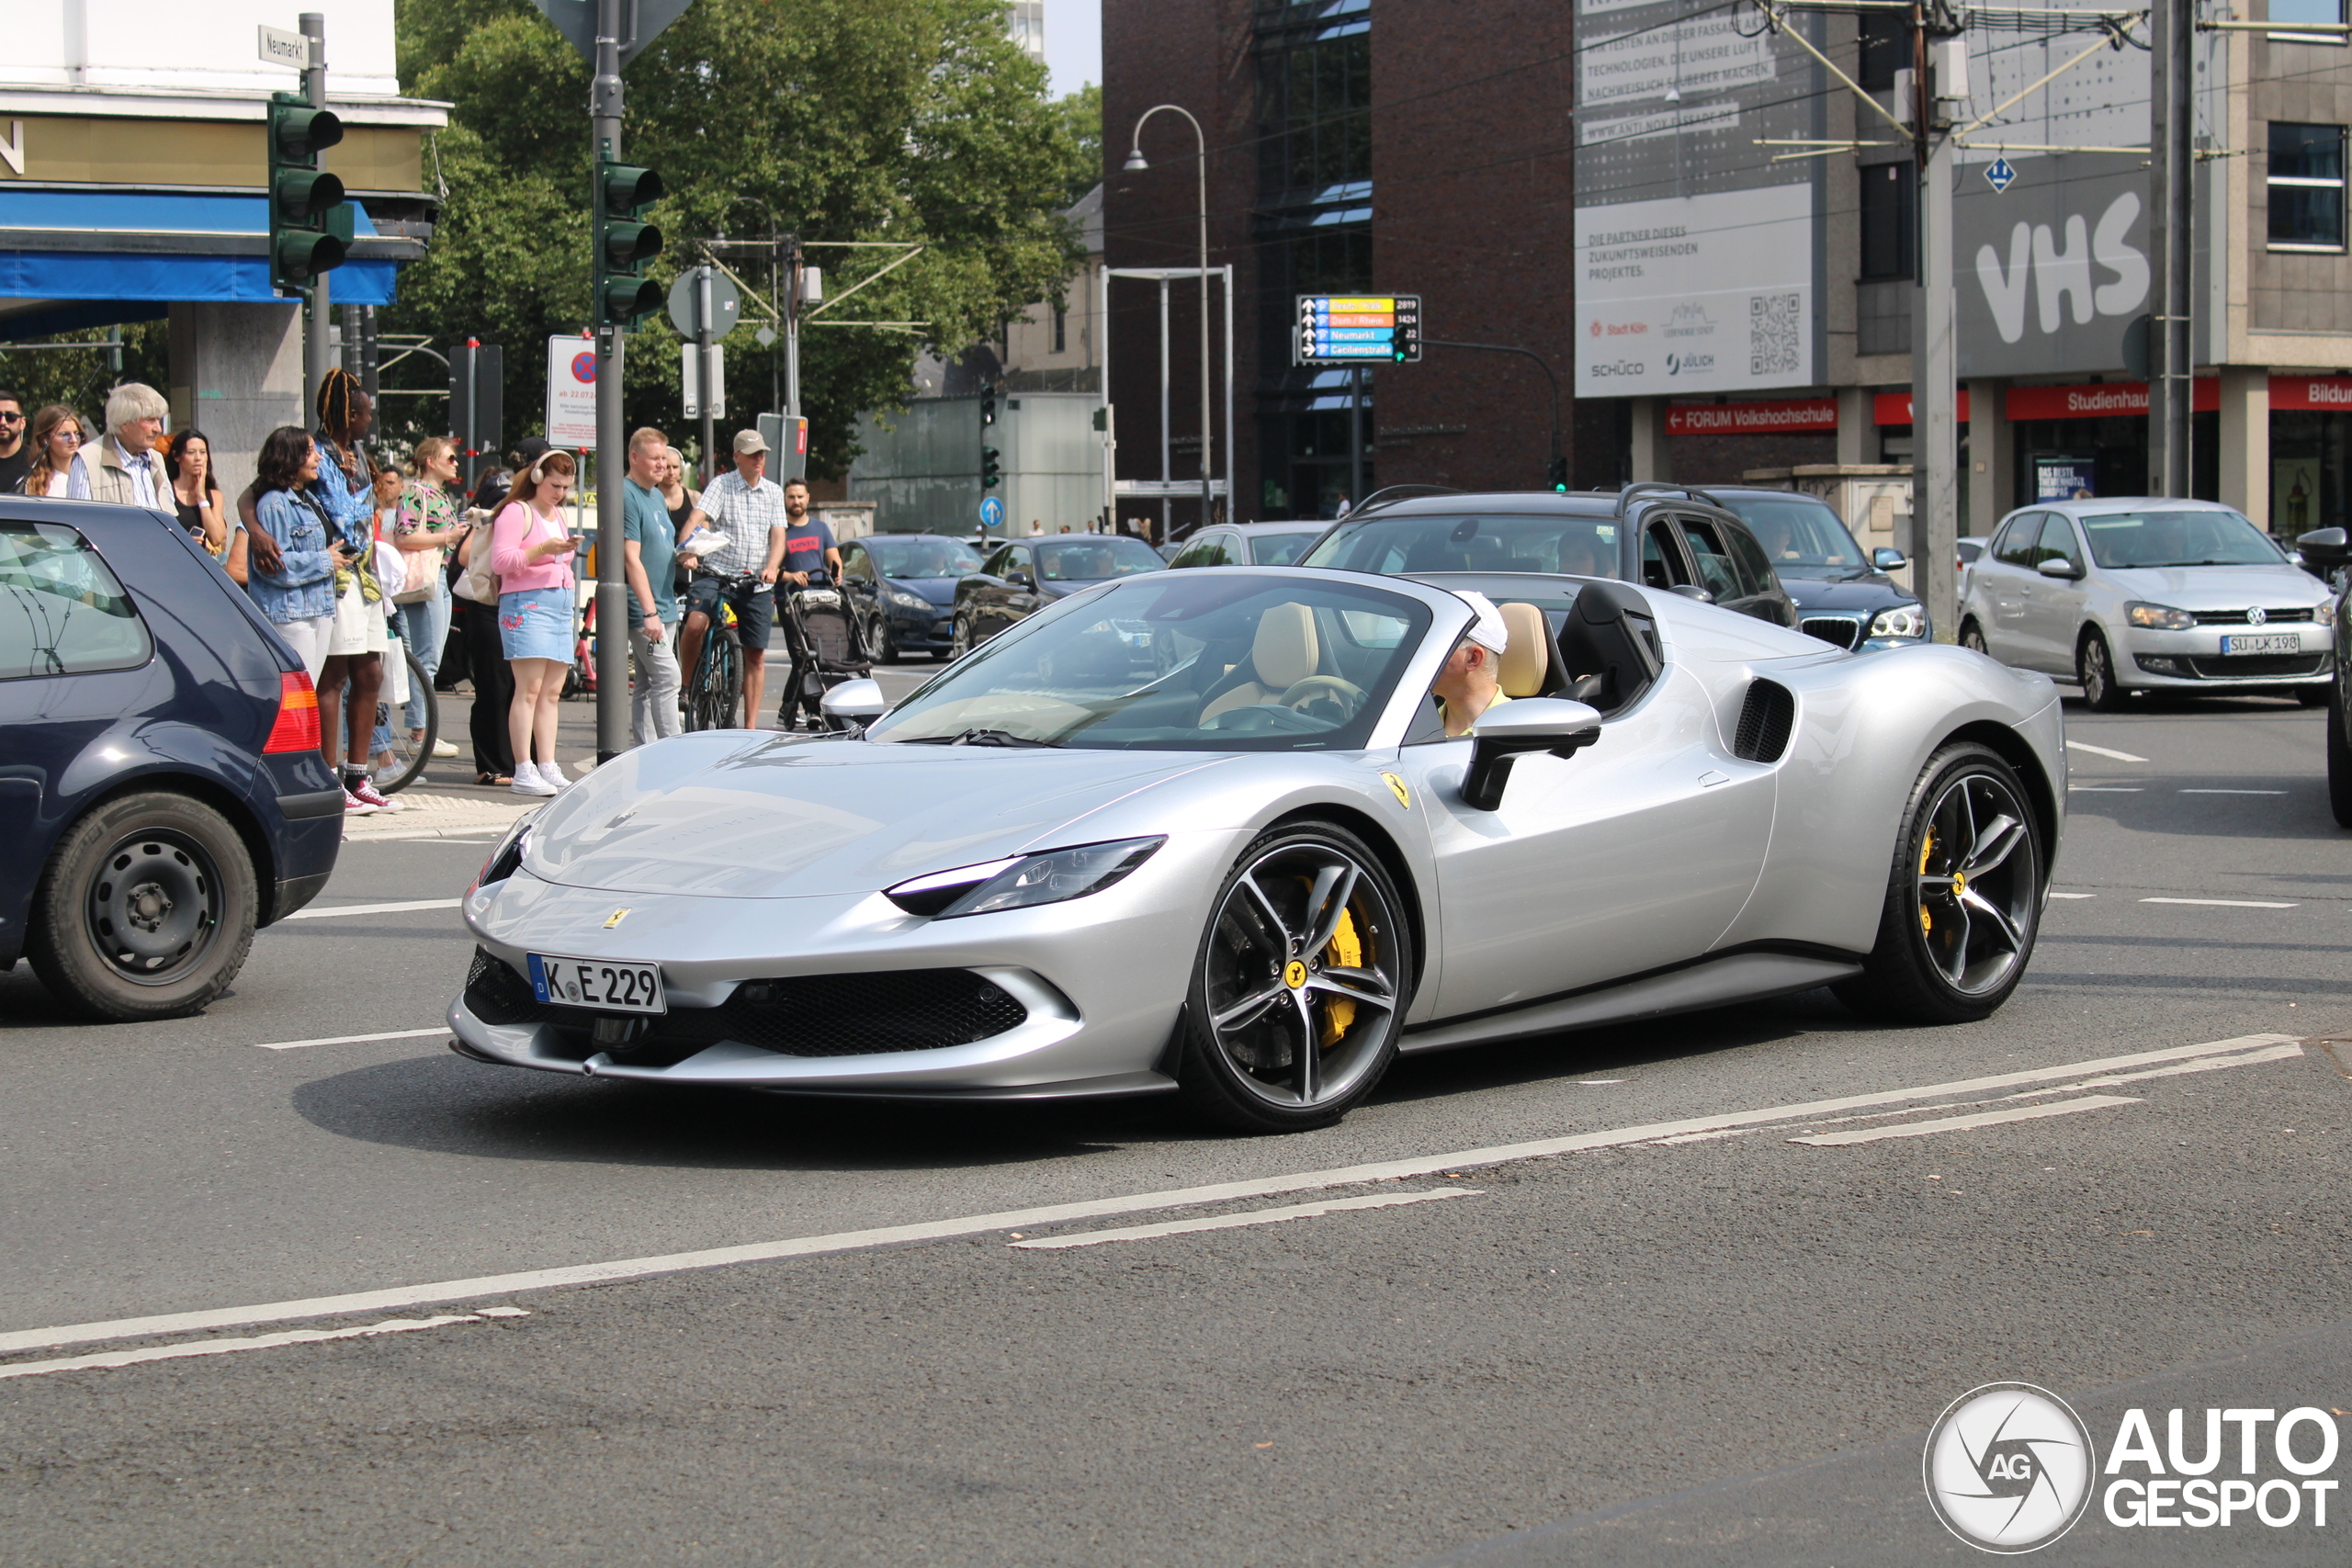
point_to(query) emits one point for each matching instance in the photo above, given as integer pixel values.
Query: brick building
(1418, 147)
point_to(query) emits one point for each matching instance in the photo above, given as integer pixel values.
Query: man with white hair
(123, 466)
(1471, 682)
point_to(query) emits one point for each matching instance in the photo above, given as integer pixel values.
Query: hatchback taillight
(296, 728)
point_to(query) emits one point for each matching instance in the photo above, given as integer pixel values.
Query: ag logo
(2009, 1467)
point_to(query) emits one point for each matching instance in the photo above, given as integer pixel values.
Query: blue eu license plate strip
(539, 978)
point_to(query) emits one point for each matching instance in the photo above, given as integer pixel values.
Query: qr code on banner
(1772, 334)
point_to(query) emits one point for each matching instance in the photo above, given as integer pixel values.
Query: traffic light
(988, 403)
(992, 472)
(624, 243)
(310, 223)
(1559, 476)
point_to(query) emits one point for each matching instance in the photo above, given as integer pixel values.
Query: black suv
(1842, 591)
(1660, 535)
(2327, 555)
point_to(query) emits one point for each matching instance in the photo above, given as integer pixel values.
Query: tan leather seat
(1283, 653)
(1527, 657)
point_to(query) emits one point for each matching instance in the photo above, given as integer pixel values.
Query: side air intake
(1765, 720)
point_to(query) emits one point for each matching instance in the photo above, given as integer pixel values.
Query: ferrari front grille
(805, 1015)
(1843, 630)
(1765, 720)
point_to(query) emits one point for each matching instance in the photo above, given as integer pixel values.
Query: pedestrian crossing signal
(992, 472)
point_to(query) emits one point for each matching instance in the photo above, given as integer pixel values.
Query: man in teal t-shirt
(653, 547)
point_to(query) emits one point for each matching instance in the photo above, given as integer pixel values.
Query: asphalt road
(1671, 1334)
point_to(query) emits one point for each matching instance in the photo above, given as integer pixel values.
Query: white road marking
(349, 1039)
(259, 1342)
(2105, 789)
(1235, 1221)
(447, 835)
(1964, 1124)
(2233, 792)
(2224, 903)
(2080, 1086)
(2073, 895)
(399, 1296)
(375, 909)
(2102, 751)
(1598, 1083)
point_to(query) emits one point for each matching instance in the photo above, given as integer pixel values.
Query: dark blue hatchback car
(161, 793)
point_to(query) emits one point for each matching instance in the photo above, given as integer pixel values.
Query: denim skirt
(535, 624)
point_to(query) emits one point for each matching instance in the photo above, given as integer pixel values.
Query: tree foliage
(908, 121)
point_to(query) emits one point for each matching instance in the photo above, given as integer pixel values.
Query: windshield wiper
(980, 738)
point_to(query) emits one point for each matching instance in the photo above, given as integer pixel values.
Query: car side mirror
(854, 705)
(2322, 550)
(1020, 579)
(1692, 591)
(1886, 558)
(1505, 734)
(2059, 566)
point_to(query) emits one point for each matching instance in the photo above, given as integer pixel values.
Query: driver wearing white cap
(1471, 682)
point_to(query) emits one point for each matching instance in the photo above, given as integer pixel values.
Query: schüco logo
(2009, 1468)
(1621, 367)
(1676, 364)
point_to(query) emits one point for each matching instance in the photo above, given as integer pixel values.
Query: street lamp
(1135, 165)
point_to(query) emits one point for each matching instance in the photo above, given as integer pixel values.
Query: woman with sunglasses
(57, 435)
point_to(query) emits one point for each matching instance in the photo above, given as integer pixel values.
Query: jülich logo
(1676, 364)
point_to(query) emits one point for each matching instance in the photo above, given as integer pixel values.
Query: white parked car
(2132, 593)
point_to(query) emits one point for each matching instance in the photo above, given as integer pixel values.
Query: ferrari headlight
(1023, 881)
(1904, 620)
(2158, 617)
(507, 858)
(906, 601)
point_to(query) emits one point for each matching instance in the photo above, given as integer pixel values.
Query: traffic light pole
(316, 357)
(1541, 364)
(612, 584)
(702, 374)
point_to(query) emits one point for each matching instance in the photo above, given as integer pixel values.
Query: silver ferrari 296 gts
(1204, 832)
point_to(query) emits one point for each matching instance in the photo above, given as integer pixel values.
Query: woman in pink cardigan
(531, 551)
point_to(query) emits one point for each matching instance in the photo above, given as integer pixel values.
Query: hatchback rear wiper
(981, 738)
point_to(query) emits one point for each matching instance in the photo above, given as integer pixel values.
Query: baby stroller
(822, 638)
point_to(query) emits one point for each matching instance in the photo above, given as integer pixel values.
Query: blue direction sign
(991, 511)
(1999, 172)
(1341, 329)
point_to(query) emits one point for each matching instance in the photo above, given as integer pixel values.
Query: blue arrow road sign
(1999, 172)
(991, 511)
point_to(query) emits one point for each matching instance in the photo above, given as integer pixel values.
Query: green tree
(909, 122)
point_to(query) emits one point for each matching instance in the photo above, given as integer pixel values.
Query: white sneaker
(551, 774)
(443, 748)
(528, 781)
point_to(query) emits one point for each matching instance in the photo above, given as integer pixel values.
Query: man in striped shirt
(748, 508)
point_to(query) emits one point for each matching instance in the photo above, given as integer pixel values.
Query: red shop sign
(1894, 408)
(2103, 401)
(1751, 419)
(2327, 393)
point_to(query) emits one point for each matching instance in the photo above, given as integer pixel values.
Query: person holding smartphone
(531, 552)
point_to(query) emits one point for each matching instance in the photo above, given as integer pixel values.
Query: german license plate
(597, 983)
(2269, 642)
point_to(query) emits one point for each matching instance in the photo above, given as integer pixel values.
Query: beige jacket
(107, 479)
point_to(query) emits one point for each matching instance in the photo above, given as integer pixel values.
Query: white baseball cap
(1490, 630)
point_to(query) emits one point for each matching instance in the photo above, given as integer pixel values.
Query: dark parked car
(1248, 544)
(2327, 555)
(1022, 577)
(1665, 536)
(161, 793)
(902, 589)
(1842, 591)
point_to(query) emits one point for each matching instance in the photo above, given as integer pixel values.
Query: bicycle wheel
(726, 682)
(409, 757)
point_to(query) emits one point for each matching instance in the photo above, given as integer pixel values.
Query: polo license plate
(2268, 642)
(597, 983)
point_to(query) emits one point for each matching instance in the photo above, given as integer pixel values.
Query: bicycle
(713, 697)
(409, 757)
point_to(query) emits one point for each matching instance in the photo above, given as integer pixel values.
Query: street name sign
(279, 46)
(1357, 329)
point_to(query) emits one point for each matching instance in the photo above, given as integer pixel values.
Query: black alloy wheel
(1972, 636)
(1300, 985)
(885, 651)
(2095, 667)
(146, 909)
(959, 641)
(1963, 900)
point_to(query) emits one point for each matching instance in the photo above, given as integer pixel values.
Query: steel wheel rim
(1976, 883)
(1299, 1027)
(2097, 677)
(154, 907)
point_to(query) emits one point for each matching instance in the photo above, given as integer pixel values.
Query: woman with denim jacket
(298, 595)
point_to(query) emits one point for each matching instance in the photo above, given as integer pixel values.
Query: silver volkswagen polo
(2134, 593)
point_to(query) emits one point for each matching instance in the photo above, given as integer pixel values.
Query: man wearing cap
(748, 508)
(1471, 682)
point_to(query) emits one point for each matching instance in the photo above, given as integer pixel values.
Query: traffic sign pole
(612, 584)
(317, 354)
(702, 370)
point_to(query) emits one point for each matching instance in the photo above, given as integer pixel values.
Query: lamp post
(1135, 165)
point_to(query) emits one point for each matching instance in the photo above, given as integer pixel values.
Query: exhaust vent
(1765, 720)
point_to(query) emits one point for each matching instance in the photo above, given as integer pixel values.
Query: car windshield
(1801, 538)
(922, 555)
(1189, 661)
(1281, 549)
(1580, 546)
(2123, 539)
(1092, 558)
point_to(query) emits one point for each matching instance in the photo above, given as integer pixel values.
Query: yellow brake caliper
(1346, 952)
(1926, 849)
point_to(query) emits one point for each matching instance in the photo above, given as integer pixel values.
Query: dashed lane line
(1235, 1221)
(398, 1296)
(2073, 895)
(2233, 792)
(259, 1342)
(400, 908)
(2103, 751)
(349, 1039)
(1964, 1124)
(2225, 903)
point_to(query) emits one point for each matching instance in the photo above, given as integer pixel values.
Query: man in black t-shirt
(808, 544)
(14, 459)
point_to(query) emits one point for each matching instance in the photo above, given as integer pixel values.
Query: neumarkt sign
(642, 21)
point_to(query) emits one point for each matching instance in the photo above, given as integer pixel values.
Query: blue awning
(167, 246)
